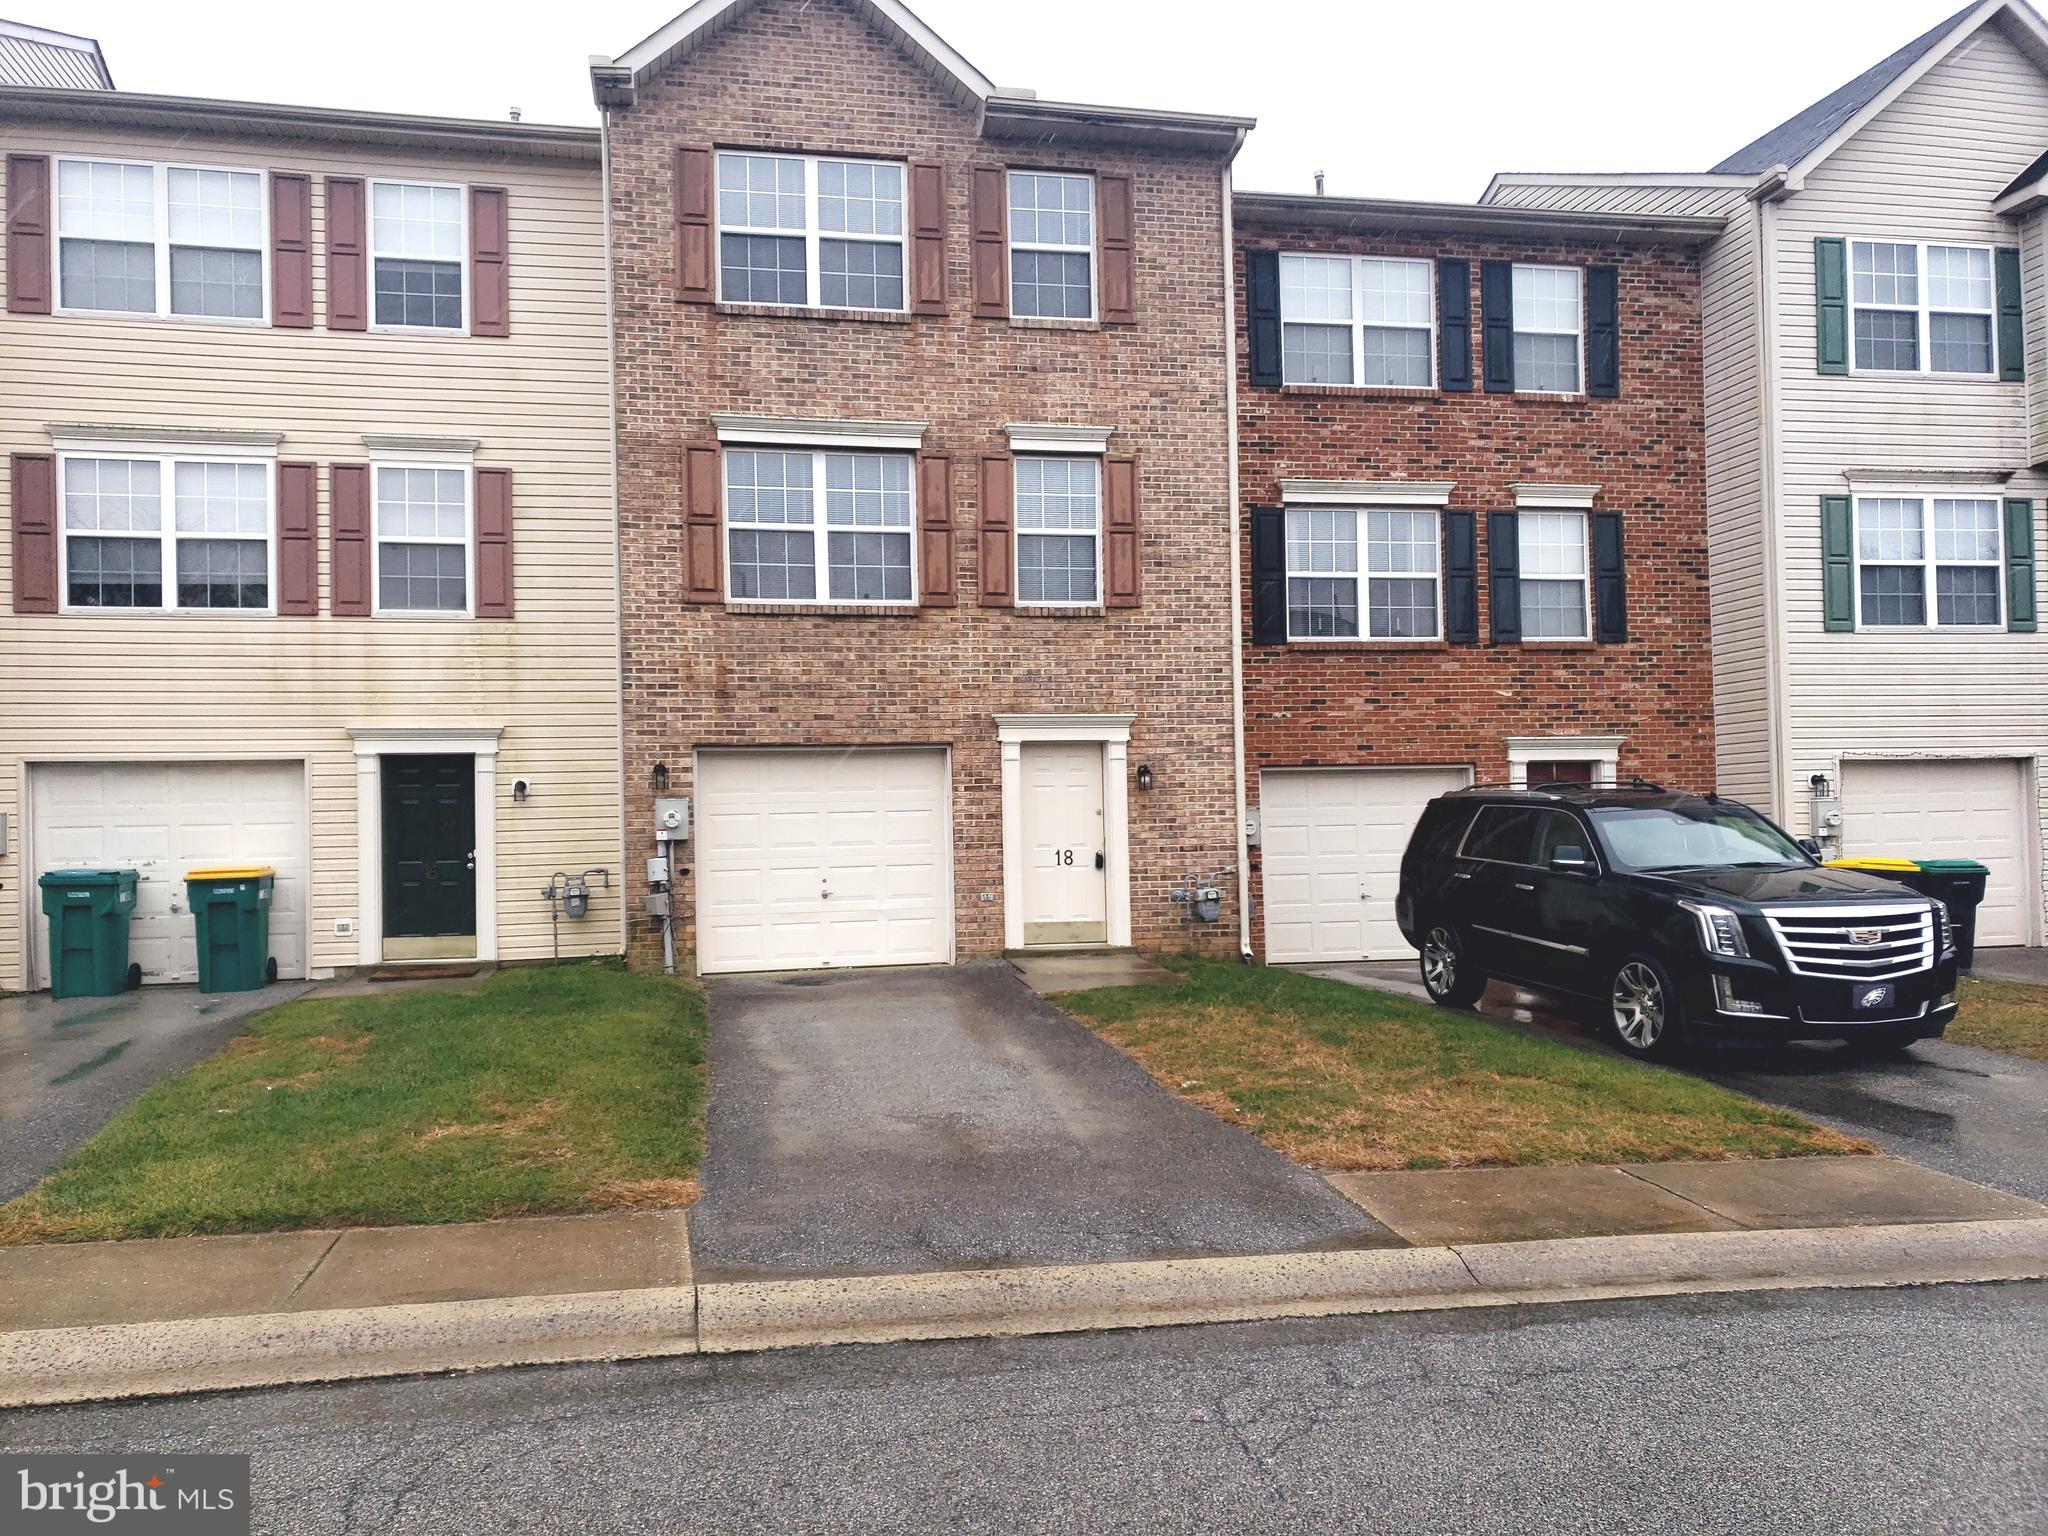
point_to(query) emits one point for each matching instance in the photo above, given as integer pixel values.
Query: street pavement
(1794, 1412)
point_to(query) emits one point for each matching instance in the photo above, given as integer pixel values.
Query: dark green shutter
(1461, 578)
(1269, 576)
(1603, 332)
(1497, 326)
(1837, 559)
(1262, 315)
(1504, 576)
(2019, 565)
(2012, 333)
(1454, 325)
(1610, 581)
(1831, 305)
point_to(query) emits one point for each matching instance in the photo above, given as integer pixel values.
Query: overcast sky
(1423, 101)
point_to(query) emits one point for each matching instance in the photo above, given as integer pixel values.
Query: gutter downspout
(611, 370)
(1773, 187)
(1236, 630)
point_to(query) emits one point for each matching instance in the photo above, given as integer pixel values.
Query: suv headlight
(1944, 928)
(1720, 930)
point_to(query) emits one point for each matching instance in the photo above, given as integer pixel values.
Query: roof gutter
(1358, 213)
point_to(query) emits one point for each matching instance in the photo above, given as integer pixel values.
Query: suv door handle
(1461, 874)
(1522, 885)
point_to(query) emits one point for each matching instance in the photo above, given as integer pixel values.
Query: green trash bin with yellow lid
(231, 909)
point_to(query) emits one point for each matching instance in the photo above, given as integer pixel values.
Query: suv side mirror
(1810, 845)
(1570, 859)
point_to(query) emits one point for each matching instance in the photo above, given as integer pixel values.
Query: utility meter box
(672, 819)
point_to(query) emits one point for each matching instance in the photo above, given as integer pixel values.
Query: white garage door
(1967, 809)
(1333, 840)
(815, 859)
(162, 819)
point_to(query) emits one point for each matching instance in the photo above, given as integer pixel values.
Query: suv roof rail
(1636, 785)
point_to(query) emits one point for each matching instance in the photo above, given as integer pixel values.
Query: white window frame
(1927, 562)
(160, 194)
(1018, 532)
(813, 233)
(1924, 309)
(1578, 333)
(1011, 245)
(821, 560)
(462, 245)
(1431, 511)
(1358, 323)
(1604, 752)
(377, 540)
(1585, 579)
(166, 457)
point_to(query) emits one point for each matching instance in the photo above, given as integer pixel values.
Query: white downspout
(611, 371)
(1236, 616)
(1771, 490)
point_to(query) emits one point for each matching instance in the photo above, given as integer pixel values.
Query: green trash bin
(231, 907)
(88, 911)
(1960, 883)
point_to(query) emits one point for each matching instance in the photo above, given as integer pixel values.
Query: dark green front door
(429, 847)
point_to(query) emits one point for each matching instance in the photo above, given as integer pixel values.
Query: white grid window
(1403, 590)
(798, 230)
(1052, 245)
(1910, 546)
(786, 543)
(1549, 321)
(1922, 308)
(423, 538)
(1357, 320)
(146, 239)
(418, 246)
(1059, 532)
(209, 548)
(1553, 586)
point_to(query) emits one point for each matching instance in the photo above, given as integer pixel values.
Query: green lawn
(1342, 1078)
(544, 1089)
(2002, 1016)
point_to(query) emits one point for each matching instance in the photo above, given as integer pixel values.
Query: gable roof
(1804, 137)
(39, 56)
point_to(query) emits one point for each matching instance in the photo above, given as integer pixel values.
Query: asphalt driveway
(950, 1119)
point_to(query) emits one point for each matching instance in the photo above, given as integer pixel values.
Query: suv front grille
(1855, 943)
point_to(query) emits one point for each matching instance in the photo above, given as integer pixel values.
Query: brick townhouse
(1470, 457)
(924, 497)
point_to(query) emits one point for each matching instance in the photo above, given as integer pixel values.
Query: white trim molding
(372, 743)
(1925, 479)
(1570, 497)
(820, 432)
(1114, 733)
(1366, 493)
(453, 450)
(1603, 751)
(1040, 437)
(163, 442)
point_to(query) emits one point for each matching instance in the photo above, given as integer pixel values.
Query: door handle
(1461, 874)
(1523, 886)
(1100, 861)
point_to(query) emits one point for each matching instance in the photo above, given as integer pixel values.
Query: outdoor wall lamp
(520, 790)
(1145, 776)
(661, 778)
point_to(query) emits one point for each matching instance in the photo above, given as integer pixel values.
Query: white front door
(162, 819)
(809, 859)
(1332, 840)
(1066, 891)
(1955, 808)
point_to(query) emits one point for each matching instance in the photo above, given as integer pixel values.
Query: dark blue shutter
(1262, 315)
(1269, 576)
(1497, 326)
(1610, 584)
(1603, 332)
(1461, 574)
(1454, 325)
(1504, 576)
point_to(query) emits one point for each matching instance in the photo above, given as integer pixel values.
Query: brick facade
(814, 77)
(1406, 703)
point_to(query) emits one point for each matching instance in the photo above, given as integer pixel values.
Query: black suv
(1685, 918)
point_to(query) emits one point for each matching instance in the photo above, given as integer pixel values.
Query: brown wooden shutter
(494, 543)
(348, 256)
(991, 219)
(298, 533)
(702, 492)
(291, 249)
(348, 555)
(33, 505)
(998, 514)
(694, 271)
(490, 278)
(935, 558)
(28, 237)
(1118, 280)
(1120, 551)
(927, 238)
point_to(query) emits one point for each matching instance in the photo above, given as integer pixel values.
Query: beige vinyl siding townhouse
(1875, 454)
(287, 582)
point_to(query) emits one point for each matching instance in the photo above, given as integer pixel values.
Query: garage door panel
(1961, 808)
(1332, 841)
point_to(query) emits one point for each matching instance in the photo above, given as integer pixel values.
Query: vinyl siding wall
(1927, 167)
(125, 685)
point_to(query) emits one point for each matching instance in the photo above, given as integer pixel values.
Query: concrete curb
(60, 1365)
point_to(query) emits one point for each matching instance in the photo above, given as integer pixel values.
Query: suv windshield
(1702, 835)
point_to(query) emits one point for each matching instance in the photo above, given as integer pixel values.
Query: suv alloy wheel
(1449, 980)
(1644, 1011)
